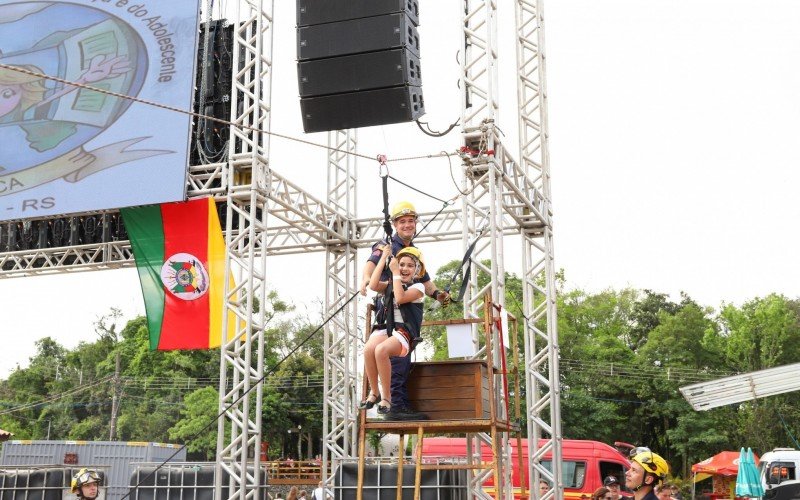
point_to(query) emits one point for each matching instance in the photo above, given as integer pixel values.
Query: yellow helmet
(85, 476)
(417, 255)
(403, 208)
(652, 463)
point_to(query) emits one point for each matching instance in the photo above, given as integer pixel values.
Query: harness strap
(465, 276)
(387, 223)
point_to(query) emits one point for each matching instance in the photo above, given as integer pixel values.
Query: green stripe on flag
(146, 233)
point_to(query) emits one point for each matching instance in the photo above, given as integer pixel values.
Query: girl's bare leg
(391, 347)
(370, 364)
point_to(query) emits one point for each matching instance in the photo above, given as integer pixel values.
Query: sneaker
(405, 413)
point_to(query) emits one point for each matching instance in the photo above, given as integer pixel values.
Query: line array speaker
(354, 36)
(358, 63)
(373, 70)
(324, 11)
(362, 109)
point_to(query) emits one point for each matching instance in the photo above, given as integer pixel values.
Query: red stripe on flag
(185, 324)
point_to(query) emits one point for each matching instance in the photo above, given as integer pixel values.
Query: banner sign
(66, 148)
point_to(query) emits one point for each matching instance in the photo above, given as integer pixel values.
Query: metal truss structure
(247, 199)
(268, 215)
(532, 177)
(341, 341)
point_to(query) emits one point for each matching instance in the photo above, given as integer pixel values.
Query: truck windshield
(574, 472)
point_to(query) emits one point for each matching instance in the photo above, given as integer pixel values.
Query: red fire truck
(584, 463)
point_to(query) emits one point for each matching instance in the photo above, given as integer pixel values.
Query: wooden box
(448, 390)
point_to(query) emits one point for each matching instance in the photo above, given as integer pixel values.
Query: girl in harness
(395, 331)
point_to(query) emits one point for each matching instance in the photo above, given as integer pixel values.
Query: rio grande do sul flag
(180, 256)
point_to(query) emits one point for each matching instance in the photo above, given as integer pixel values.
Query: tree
(197, 427)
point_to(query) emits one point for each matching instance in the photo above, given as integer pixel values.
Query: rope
(201, 116)
(445, 205)
(416, 189)
(260, 380)
(177, 110)
(426, 157)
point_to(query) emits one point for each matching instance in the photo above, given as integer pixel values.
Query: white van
(779, 474)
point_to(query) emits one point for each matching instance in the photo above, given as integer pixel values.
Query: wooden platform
(457, 396)
(438, 426)
(450, 390)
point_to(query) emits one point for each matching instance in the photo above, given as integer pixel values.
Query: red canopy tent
(724, 464)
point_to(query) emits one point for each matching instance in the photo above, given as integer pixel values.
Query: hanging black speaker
(373, 70)
(354, 36)
(328, 11)
(358, 63)
(362, 109)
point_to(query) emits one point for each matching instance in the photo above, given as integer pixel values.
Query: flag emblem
(184, 276)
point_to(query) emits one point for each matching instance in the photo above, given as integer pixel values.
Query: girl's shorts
(401, 335)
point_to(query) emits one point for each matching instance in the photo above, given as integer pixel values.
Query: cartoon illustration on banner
(55, 129)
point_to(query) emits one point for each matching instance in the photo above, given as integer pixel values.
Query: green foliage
(165, 396)
(196, 427)
(374, 442)
(623, 355)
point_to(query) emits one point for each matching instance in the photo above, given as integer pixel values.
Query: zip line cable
(416, 189)
(260, 380)
(202, 116)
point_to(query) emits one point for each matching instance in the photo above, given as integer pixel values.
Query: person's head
(292, 493)
(612, 483)
(663, 491)
(411, 264)
(544, 487)
(85, 483)
(18, 90)
(302, 494)
(647, 470)
(602, 493)
(404, 220)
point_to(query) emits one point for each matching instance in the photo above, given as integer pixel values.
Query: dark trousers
(401, 368)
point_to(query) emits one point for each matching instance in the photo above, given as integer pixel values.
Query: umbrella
(748, 483)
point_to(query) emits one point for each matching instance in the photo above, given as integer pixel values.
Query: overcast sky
(673, 128)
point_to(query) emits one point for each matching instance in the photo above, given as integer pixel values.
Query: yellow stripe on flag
(216, 273)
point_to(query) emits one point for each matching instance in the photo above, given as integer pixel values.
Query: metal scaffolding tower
(531, 181)
(269, 215)
(242, 359)
(341, 333)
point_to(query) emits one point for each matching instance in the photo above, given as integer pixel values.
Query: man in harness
(404, 221)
